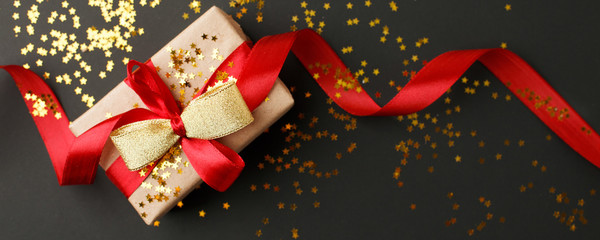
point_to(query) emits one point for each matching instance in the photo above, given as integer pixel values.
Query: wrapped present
(185, 65)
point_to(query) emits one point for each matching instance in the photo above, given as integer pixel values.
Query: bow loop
(218, 112)
(143, 142)
(151, 89)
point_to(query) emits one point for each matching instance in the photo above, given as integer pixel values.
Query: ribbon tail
(53, 128)
(533, 91)
(265, 60)
(216, 164)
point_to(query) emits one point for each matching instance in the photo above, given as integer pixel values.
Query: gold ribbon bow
(218, 112)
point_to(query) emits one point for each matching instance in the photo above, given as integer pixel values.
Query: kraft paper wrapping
(209, 40)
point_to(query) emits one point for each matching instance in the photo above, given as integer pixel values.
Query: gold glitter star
(455, 206)
(507, 7)
(376, 71)
(414, 58)
(202, 213)
(522, 188)
(393, 6)
(226, 206)
(156, 223)
(349, 5)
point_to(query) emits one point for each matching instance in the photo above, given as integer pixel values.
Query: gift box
(185, 64)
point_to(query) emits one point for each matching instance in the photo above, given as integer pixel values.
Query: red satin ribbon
(75, 159)
(264, 61)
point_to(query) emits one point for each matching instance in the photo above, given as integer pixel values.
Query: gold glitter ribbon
(217, 113)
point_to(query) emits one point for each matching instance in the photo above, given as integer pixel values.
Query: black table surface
(515, 179)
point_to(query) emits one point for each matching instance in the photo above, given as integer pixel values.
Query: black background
(558, 38)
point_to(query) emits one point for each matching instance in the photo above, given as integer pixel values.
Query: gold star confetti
(393, 6)
(226, 206)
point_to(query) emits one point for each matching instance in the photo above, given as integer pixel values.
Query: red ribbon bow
(217, 165)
